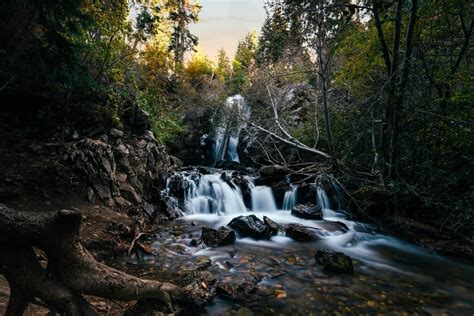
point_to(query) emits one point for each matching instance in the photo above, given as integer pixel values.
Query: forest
(325, 168)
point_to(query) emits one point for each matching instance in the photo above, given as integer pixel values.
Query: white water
(227, 133)
(262, 199)
(212, 200)
(209, 194)
(289, 201)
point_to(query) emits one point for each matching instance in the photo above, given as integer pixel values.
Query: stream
(390, 275)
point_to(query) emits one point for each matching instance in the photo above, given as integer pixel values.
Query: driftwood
(71, 270)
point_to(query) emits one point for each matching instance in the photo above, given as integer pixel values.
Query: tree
(223, 68)
(182, 13)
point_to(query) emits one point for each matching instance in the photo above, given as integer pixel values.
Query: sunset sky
(224, 22)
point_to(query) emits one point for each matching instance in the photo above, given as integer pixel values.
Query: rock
(199, 285)
(203, 262)
(244, 311)
(272, 171)
(300, 233)
(115, 133)
(214, 238)
(129, 193)
(274, 227)
(175, 161)
(307, 211)
(121, 202)
(334, 226)
(239, 292)
(334, 262)
(250, 226)
(226, 290)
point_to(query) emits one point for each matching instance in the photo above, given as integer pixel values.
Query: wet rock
(334, 262)
(239, 292)
(300, 233)
(199, 285)
(272, 226)
(203, 262)
(250, 226)
(307, 211)
(226, 290)
(272, 171)
(334, 226)
(217, 237)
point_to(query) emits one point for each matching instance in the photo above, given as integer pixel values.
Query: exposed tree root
(71, 270)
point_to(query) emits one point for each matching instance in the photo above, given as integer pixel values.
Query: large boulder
(250, 226)
(300, 233)
(217, 237)
(334, 262)
(307, 211)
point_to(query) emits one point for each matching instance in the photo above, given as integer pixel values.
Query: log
(71, 270)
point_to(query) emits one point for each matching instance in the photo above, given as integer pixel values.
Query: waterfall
(262, 199)
(210, 194)
(289, 201)
(323, 201)
(227, 133)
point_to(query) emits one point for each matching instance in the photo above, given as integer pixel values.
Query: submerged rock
(307, 211)
(334, 262)
(217, 237)
(250, 226)
(300, 233)
(334, 226)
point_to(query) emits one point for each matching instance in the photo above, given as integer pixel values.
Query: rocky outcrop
(307, 211)
(217, 237)
(334, 262)
(121, 171)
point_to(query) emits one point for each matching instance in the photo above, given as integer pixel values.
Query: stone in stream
(274, 227)
(334, 226)
(300, 233)
(217, 237)
(334, 262)
(250, 226)
(307, 211)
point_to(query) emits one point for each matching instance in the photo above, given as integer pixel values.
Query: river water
(390, 276)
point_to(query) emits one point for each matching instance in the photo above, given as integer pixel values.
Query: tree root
(71, 270)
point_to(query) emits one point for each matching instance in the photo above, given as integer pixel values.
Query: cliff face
(122, 171)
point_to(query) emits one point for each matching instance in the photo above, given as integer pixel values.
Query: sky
(222, 23)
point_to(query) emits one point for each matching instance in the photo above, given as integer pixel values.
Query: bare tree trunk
(324, 89)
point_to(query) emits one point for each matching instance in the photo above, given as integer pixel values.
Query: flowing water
(391, 276)
(227, 133)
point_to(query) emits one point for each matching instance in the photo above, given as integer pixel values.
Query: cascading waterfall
(213, 195)
(262, 199)
(227, 134)
(289, 200)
